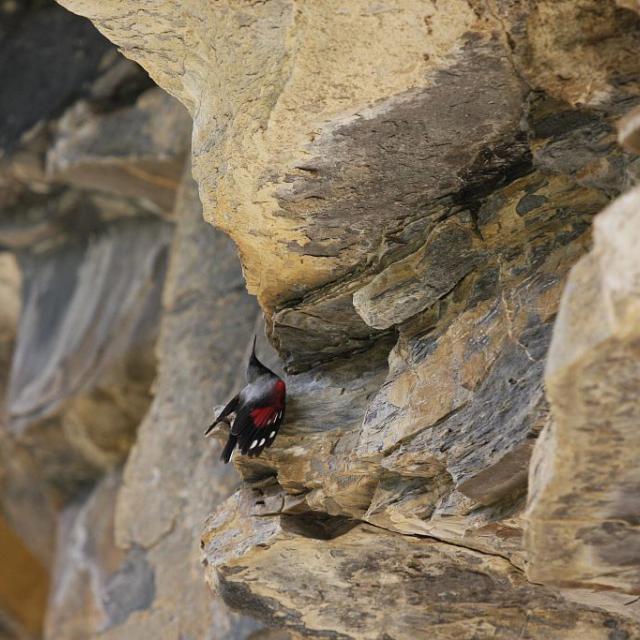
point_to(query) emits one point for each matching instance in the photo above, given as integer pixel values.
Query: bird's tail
(228, 448)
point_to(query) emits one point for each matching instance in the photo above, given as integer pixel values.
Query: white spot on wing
(253, 444)
(272, 434)
(262, 441)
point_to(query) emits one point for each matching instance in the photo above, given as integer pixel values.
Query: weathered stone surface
(27, 517)
(574, 50)
(295, 572)
(287, 195)
(81, 374)
(172, 478)
(111, 281)
(582, 517)
(408, 186)
(74, 402)
(264, 103)
(430, 452)
(34, 220)
(95, 585)
(416, 282)
(137, 151)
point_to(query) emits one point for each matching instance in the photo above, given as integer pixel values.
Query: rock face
(394, 586)
(410, 186)
(582, 518)
(80, 291)
(172, 478)
(137, 151)
(96, 585)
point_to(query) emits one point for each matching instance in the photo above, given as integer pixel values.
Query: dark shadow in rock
(319, 526)
(58, 54)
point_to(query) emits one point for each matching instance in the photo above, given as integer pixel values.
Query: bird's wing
(230, 408)
(257, 428)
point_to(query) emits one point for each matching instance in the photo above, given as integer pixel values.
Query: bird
(258, 408)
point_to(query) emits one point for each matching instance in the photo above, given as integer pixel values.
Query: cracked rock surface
(408, 239)
(434, 205)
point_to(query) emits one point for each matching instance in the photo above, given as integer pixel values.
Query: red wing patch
(264, 416)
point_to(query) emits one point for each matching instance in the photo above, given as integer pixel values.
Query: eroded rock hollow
(435, 208)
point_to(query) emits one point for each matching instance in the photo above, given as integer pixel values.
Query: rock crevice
(411, 188)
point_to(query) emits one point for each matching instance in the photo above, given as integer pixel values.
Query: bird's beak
(214, 429)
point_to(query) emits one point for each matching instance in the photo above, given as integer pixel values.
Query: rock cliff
(434, 206)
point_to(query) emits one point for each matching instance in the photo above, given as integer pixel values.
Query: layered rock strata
(408, 186)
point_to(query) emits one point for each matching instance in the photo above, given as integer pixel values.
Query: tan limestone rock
(582, 530)
(298, 572)
(408, 185)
